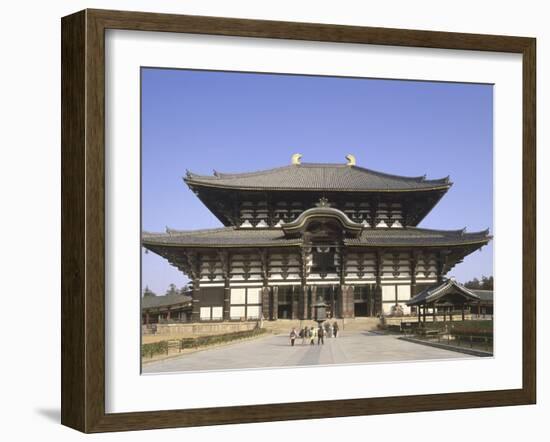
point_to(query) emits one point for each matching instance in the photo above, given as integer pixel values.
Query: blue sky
(240, 122)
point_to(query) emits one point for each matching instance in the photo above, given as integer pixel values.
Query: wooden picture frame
(83, 220)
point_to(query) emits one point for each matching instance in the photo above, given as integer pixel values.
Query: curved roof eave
(321, 189)
(324, 177)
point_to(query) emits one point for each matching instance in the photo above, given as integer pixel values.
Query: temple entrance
(361, 309)
(284, 311)
(287, 297)
(363, 300)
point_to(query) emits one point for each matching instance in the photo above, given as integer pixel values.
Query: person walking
(321, 336)
(312, 335)
(335, 327)
(302, 334)
(293, 335)
(327, 329)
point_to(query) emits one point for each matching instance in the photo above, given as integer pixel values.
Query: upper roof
(317, 177)
(273, 237)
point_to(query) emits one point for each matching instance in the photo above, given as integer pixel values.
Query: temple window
(323, 260)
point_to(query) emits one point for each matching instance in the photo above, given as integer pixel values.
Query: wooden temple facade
(307, 234)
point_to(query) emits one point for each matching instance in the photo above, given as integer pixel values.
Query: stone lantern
(320, 312)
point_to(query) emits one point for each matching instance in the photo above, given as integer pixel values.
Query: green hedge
(203, 341)
(154, 348)
(472, 331)
(161, 347)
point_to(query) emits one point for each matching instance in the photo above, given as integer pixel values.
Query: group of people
(309, 334)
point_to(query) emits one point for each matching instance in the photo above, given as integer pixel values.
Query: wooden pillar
(295, 299)
(192, 267)
(304, 305)
(311, 313)
(345, 304)
(264, 263)
(146, 318)
(418, 312)
(350, 302)
(424, 313)
(463, 312)
(332, 301)
(226, 301)
(225, 260)
(275, 303)
(451, 314)
(370, 299)
(342, 300)
(413, 266)
(265, 303)
(377, 300)
(304, 253)
(444, 314)
(196, 312)
(433, 313)
(378, 310)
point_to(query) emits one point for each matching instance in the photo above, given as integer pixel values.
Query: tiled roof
(484, 295)
(223, 236)
(163, 301)
(235, 237)
(434, 293)
(415, 236)
(317, 177)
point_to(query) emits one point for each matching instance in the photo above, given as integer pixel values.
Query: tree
(486, 283)
(184, 290)
(148, 292)
(172, 290)
(473, 284)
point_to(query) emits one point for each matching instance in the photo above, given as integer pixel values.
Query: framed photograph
(269, 220)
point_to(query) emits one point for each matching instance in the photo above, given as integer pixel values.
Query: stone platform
(275, 351)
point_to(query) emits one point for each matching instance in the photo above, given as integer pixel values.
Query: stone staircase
(283, 326)
(360, 324)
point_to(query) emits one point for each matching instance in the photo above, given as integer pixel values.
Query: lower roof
(275, 237)
(164, 301)
(436, 292)
(484, 295)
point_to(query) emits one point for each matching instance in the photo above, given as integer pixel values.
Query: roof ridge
(420, 178)
(234, 175)
(222, 175)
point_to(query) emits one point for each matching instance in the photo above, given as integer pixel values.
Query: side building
(308, 234)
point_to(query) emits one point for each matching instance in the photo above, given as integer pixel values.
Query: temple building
(306, 234)
(450, 297)
(168, 308)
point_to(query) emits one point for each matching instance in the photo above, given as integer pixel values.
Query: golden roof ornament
(296, 158)
(323, 202)
(351, 160)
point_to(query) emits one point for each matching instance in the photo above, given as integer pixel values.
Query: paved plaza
(275, 351)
